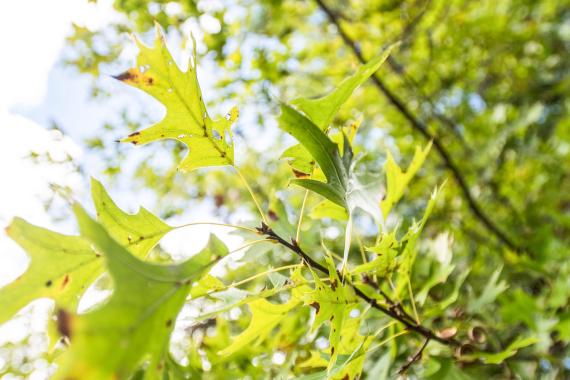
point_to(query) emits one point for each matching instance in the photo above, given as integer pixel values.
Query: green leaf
(61, 268)
(328, 209)
(331, 302)
(265, 317)
(499, 357)
(133, 327)
(139, 232)
(491, 291)
(323, 189)
(385, 263)
(210, 141)
(408, 256)
(397, 180)
(322, 110)
(342, 186)
(352, 354)
(323, 150)
(300, 160)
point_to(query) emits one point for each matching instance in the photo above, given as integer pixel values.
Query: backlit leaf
(61, 268)
(322, 110)
(135, 329)
(210, 142)
(139, 232)
(397, 180)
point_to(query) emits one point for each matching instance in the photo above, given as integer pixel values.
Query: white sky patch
(32, 33)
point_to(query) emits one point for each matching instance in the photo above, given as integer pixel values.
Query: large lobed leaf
(133, 328)
(61, 268)
(187, 120)
(308, 124)
(397, 180)
(139, 232)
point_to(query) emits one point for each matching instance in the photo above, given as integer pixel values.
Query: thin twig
(417, 356)
(251, 193)
(311, 263)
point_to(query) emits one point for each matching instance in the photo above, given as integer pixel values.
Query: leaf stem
(413, 302)
(297, 236)
(217, 224)
(257, 275)
(347, 240)
(251, 193)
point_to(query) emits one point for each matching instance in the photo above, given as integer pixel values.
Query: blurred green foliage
(487, 81)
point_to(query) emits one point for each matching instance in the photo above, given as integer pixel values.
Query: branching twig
(396, 314)
(417, 356)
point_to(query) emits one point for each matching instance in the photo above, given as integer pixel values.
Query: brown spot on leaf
(299, 174)
(65, 281)
(169, 323)
(134, 76)
(272, 215)
(134, 134)
(48, 283)
(317, 306)
(64, 321)
(332, 350)
(334, 284)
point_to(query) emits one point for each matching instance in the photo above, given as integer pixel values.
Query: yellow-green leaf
(397, 180)
(210, 142)
(61, 268)
(265, 317)
(133, 328)
(321, 111)
(139, 232)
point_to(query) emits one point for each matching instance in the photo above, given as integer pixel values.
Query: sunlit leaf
(265, 317)
(397, 180)
(331, 302)
(321, 111)
(135, 329)
(61, 267)
(210, 142)
(138, 232)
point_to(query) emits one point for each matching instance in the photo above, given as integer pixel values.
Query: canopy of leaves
(480, 86)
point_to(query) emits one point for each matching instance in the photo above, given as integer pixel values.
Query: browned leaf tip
(316, 305)
(135, 76)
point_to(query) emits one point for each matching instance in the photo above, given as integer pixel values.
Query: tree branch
(397, 314)
(423, 130)
(413, 359)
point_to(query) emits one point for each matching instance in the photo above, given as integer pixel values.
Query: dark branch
(413, 359)
(423, 130)
(395, 313)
